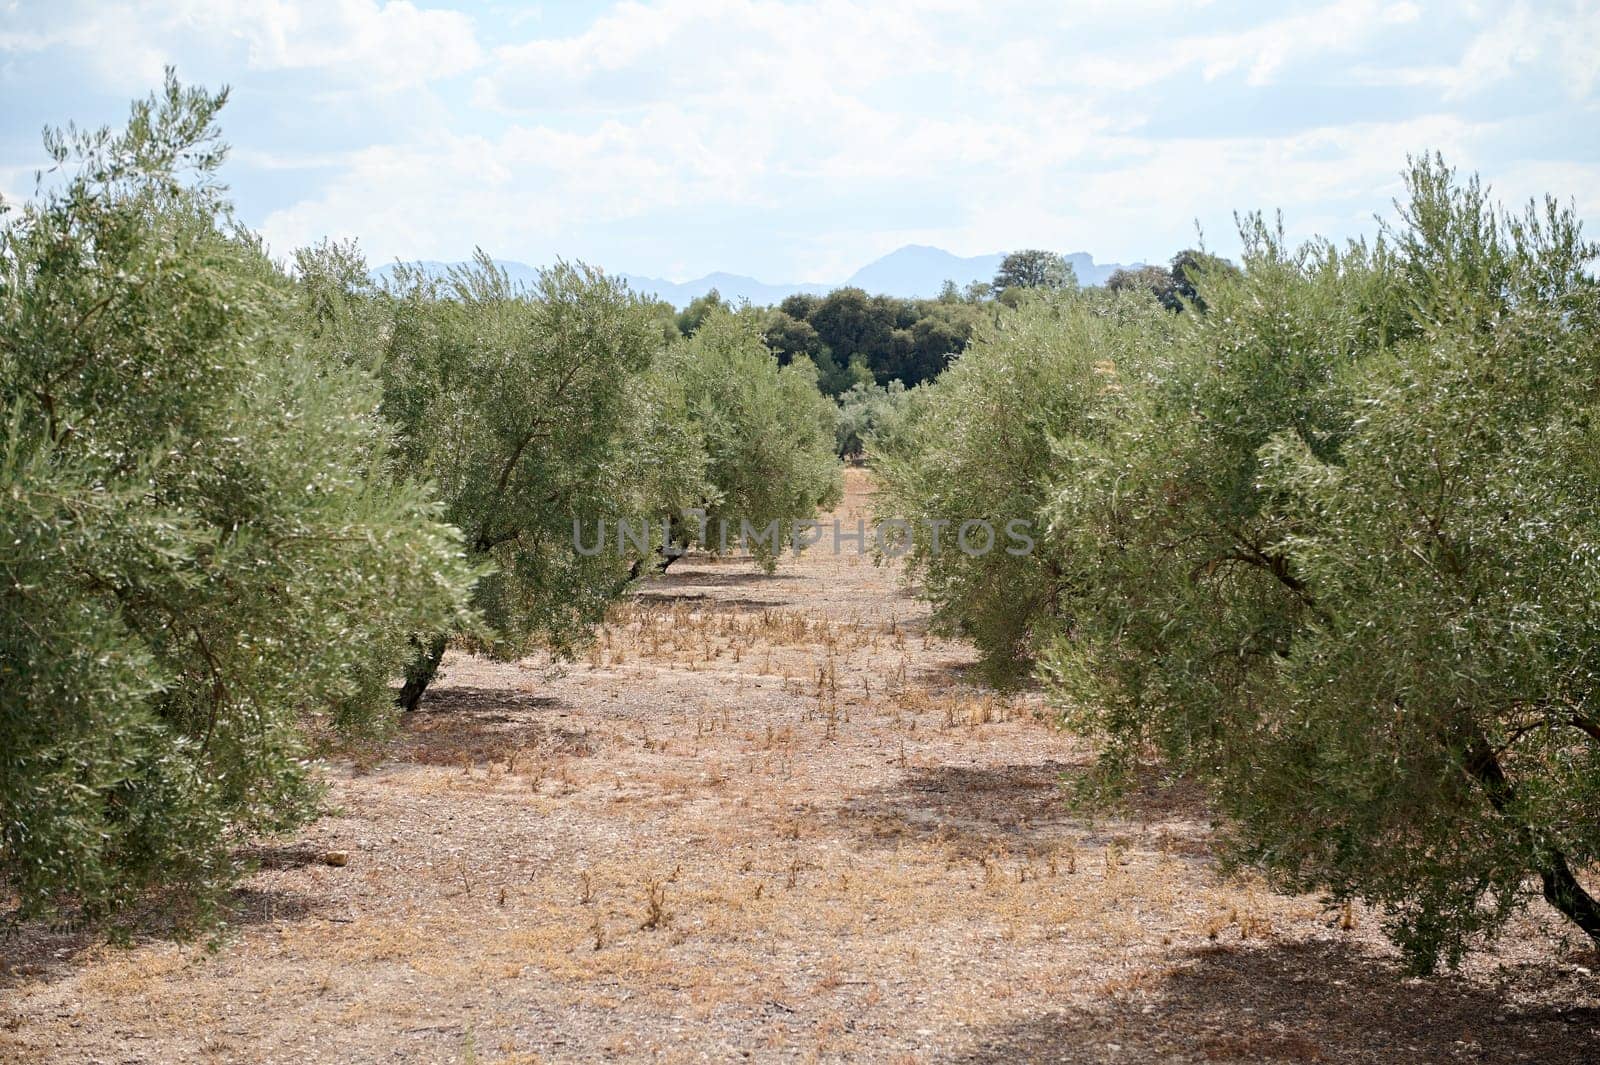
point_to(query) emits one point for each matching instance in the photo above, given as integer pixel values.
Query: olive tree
(764, 434)
(866, 410)
(980, 446)
(524, 408)
(1339, 562)
(550, 415)
(203, 560)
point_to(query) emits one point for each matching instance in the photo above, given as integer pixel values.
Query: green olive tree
(980, 445)
(866, 411)
(764, 434)
(550, 416)
(201, 555)
(1340, 563)
(525, 408)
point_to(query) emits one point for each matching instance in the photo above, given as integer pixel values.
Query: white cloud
(1329, 180)
(1279, 45)
(1550, 40)
(1577, 183)
(1263, 51)
(390, 45)
(114, 40)
(696, 50)
(526, 188)
(382, 45)
(543, 189)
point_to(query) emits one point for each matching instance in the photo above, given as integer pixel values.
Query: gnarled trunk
(421, 671)
(661, 558)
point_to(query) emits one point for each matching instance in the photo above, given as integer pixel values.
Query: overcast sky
(795, 142)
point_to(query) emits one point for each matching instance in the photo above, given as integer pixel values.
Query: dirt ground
(767, 819)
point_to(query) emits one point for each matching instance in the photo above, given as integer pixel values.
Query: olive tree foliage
(979, 445)
(762, 434)
(1329, 547)
(548, 416)
(1176, 287)
(525, 409)
(1339, 560)
(203, 561)
(866, 411)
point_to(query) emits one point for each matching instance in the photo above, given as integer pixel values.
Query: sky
(798, 141)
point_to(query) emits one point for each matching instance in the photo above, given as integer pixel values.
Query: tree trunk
(1562, 890)
(1561, 887)
(421, 671)
(659, 560)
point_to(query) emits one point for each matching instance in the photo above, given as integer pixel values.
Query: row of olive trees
(1330, 546)
(544, 417)
(237, 501)
(203, 544)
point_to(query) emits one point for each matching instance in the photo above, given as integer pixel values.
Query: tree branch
(1561, 888)
(1589, 726)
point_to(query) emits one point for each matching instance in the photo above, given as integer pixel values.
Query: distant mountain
(917, 270)
(731, 287)
(914, 271)
(1092, 273)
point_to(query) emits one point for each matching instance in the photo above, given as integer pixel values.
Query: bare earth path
(767, 819)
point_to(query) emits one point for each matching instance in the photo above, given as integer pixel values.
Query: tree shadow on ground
(45, 951)
(468, 725)
(41, 951)
(699, 587)
(963, 672)
(709, 573)
(1016, 808)
(699, 600)
(453, 726)
(278, 857)
(1312, 1002)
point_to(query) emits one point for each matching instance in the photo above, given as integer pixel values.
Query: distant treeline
(855, 338)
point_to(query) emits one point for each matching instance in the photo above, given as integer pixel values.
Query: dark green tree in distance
(852, 336)
(1033, 268)
(690, 317)
(790, 337)
(1155, 280)
(835, 380)
(1189, 270)
(850, 323)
